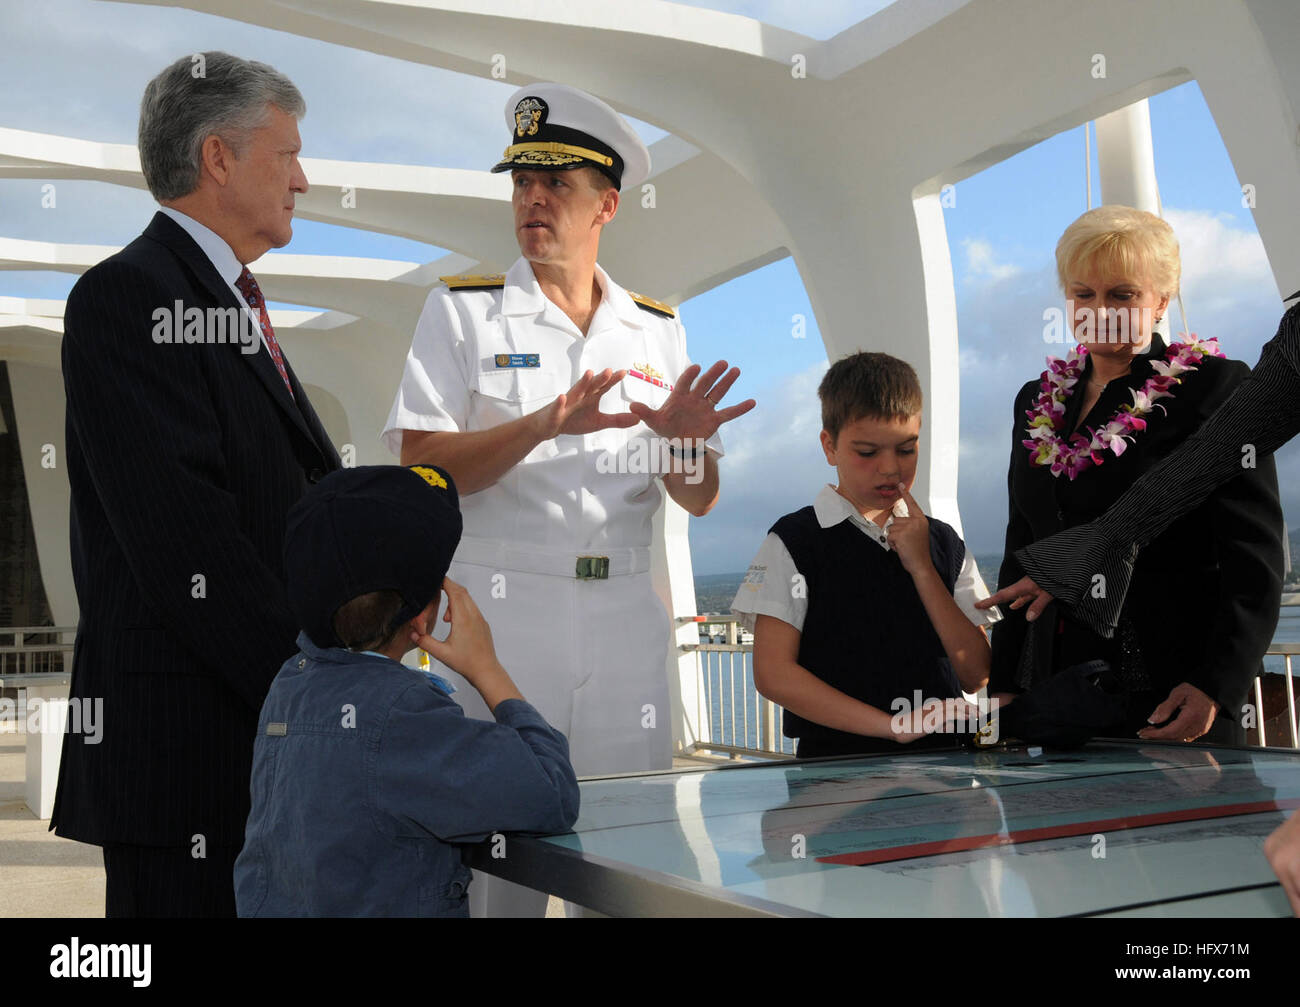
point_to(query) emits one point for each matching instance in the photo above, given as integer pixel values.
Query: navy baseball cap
(364, 529)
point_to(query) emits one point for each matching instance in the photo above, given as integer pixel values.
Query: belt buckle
(592, 568)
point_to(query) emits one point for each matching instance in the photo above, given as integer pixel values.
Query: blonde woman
(1203, 598)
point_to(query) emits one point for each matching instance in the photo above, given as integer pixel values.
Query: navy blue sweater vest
(866, 632)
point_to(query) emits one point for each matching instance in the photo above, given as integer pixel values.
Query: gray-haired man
(188, 439)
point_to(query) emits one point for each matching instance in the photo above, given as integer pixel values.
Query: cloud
(982, 264)
(774, 465)
(1225, 272)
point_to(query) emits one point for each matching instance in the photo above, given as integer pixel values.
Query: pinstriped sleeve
(1260, 416)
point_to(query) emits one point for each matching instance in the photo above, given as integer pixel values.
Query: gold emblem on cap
(528, 116)
(550, 152)
(430, 476)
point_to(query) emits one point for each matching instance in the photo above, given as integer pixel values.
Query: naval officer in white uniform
(548, 393)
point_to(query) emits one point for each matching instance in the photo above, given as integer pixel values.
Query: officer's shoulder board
(652, 306)
(494, 281)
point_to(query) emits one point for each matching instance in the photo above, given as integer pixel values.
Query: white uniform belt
(594, 564)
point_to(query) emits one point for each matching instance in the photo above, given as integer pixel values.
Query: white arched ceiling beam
(469, 211)
(885, 109)
(389, 291)
(27, 337)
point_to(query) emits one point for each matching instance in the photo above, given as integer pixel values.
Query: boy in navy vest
(862, 608)
(366, 773)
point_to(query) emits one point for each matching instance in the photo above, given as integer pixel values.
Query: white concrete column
(39, 412)
(1126, 159)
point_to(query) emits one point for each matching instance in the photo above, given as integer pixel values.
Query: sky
(78, 67)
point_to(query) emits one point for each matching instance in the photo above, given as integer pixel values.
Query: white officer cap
(555, 127)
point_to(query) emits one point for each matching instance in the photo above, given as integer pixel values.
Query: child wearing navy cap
(366, 773)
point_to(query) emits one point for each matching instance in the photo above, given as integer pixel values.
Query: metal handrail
(768, 714)
(33, 658)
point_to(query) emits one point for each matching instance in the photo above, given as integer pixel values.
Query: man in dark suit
(186, 447)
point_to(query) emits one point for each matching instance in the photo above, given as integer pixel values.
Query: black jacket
(1203, 603)
(182, 460)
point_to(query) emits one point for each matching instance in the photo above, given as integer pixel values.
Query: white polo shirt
(766, 589)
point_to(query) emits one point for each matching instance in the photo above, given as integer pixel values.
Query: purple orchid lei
(1048, 448)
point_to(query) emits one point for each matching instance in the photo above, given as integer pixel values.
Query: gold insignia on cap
(430, 476)
(550, 153)
(529, 114)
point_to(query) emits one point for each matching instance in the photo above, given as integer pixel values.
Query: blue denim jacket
(365, 777)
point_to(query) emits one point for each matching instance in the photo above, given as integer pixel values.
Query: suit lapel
(169, 233)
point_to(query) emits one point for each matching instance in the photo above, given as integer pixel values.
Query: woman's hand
(1022, 592)
(1195, 711)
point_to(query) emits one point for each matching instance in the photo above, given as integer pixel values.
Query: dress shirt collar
(523, 295)
(340, 655)
(214, 245)
(332, 655)
(618, 300)
(831, 508)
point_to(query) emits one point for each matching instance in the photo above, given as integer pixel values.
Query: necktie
(253, 295)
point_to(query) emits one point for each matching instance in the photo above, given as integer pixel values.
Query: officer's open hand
(577, 411)
(1022, 592)
(691, 411)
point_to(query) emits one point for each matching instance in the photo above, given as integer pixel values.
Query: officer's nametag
(518, 359)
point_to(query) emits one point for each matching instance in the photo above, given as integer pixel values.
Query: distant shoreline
(714, 593)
